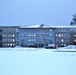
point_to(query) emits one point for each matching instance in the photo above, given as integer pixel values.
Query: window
(3, 35)
(26, 39)
(3, 39)
(50, 29)
(58, 30)
(62, 35)
(22, 34)
(74, 35)
(64, 44)
(10, 39)
(41, 30)
(50, 34)
(56, 34)
(26, 34)
(13, 35)
(34, 39)
(13, 40)
(56, 39)
(10, 35)
(5, 44)
(13, 44)
(10, 44)
(59, 35)
(29, 35)
(75, 40)
(62, 40)
(62, 30)
(29, 39)
(34, 34)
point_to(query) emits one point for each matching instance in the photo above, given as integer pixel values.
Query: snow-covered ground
(36, 61)
(69, 48)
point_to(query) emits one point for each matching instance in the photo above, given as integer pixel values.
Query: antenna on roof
(73, 22)
(41, 25)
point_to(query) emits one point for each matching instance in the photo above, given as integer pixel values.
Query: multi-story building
(37, 35)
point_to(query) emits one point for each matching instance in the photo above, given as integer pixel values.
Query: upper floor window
(59, 35)
(50, 29)
(22, 35)
(41, 30)
(13, 40)
(13, 35)
(62, 40)
(50, 34)
(3, 35)
(34, 34)
(10, 44)
(62, 30)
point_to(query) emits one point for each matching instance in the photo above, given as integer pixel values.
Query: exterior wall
(36, 36)
(1, 37)
(62, 36)
(9, 36)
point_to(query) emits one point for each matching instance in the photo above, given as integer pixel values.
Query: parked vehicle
(50, 46)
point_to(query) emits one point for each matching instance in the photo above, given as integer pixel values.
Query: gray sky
(28, 12)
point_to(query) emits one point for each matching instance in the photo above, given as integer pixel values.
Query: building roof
(35, 26)
(46, 26)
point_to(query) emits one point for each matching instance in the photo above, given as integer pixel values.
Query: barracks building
(37, 35)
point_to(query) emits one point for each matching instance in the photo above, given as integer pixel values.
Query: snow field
(39, 62)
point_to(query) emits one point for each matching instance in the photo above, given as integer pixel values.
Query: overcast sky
(29, 12)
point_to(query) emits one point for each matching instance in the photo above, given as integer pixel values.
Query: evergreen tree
(73, 22)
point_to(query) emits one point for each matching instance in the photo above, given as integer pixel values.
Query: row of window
(31, 39)
(33, 35)
(8, 35)
(8, 40)
(57, 45)
(11, 30)
(63, 44)
(33, 29)
(9, 44)
(57, 35)
(62, 30)
(13, 35)
(28, 34)
(61, 35)
(61, 40)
